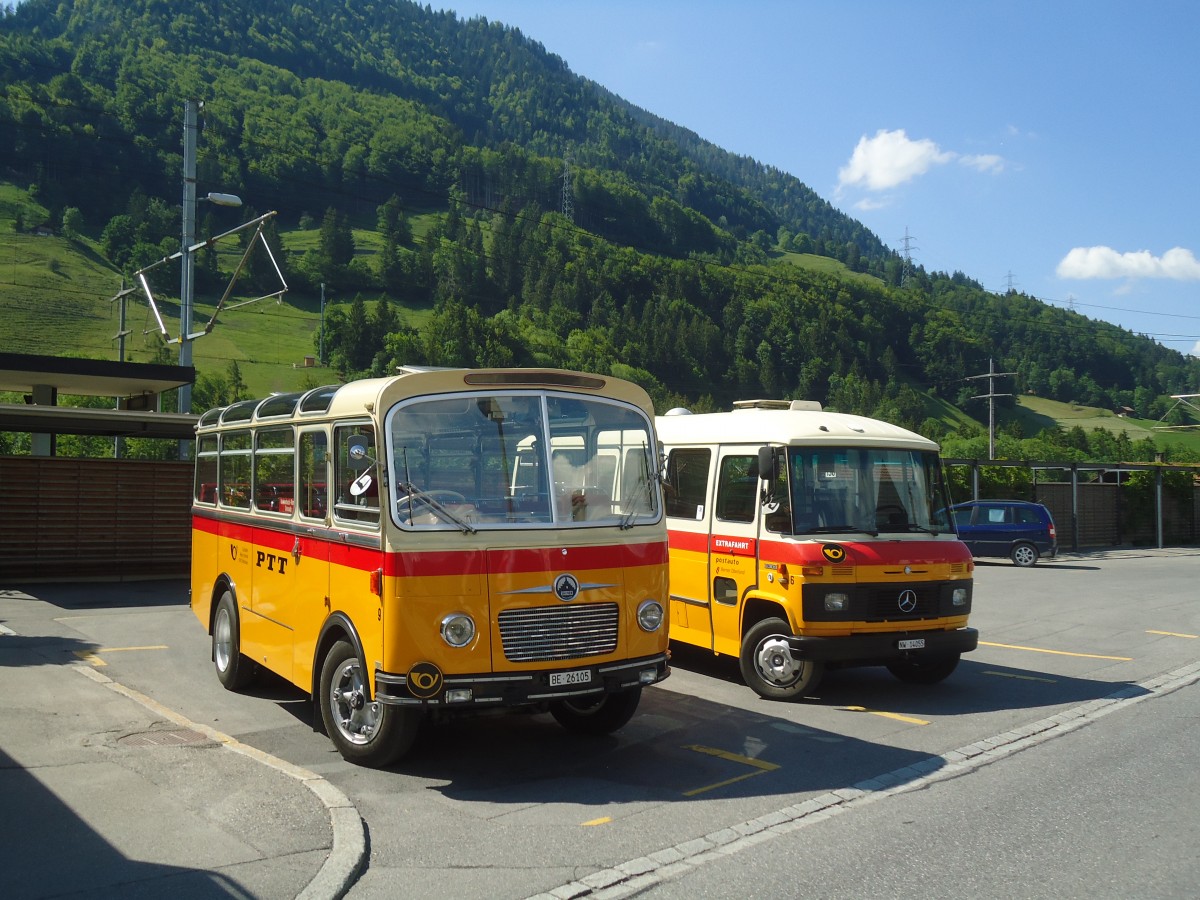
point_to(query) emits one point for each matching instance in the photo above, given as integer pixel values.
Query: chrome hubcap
(774, 661)
(356, 719)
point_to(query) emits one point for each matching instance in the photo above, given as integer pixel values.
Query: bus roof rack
(806, 405)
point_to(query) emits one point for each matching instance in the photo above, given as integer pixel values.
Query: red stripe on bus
(517, 561)
(808, 553)
(412, 564)
(862, 553)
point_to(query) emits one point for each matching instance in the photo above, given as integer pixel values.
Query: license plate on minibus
(582, 676)
(913, 644)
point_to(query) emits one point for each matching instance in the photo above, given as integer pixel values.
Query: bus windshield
(832, 490)
(519, 458)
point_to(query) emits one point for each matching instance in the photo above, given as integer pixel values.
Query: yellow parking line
(1174, 634)
(1055, 652)
(887, 715)
(92, 656)
(1022, 677)
(761, 765)
(603, 820)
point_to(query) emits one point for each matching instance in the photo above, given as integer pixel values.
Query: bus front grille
(559, 632)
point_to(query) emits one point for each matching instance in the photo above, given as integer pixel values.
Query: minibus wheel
(924, 669)
(368, 734)
(768, 665)
(597, 715)
(234, 670)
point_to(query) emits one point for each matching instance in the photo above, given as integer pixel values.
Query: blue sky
(1051, 146)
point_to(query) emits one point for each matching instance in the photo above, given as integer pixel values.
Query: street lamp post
(190, 116)
(187, 283)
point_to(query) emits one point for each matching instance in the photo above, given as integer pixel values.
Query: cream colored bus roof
(758, 426)
(360, 398)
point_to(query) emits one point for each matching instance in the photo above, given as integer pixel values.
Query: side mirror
(356, 448)
(766, 464)
(766, 473)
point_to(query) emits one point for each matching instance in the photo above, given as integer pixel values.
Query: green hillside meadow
(274, 342)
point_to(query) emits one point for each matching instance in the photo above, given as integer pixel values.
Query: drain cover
(180, 737)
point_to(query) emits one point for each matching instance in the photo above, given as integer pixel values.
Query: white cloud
(984, 162)
(890, 159)
(867, 204)
(1195, 351)
(1177, 264)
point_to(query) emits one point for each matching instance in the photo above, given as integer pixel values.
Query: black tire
(768, 665)
(367, 734)
(924, 669)
(1024, 555)
(597, 715)
(234, 670)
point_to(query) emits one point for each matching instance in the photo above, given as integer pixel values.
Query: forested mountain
(560, 224)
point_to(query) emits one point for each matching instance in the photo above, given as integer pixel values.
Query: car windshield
(832, 490)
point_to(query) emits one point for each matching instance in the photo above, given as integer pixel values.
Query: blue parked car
(1022, 531)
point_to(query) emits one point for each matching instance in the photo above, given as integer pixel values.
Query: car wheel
(597, 715)
(234, 671)
(924, 669)
(768, 665)
(1024, 555)
(368, 734)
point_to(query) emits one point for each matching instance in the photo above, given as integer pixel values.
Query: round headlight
(458, 629)
(650, 615)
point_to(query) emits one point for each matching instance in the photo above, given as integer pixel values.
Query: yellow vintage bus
(802, 538)
(439, 542)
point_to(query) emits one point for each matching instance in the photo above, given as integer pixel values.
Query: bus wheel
(368, 734)
(924, 669)
(597, 715)
(769, 667)
(234, 670)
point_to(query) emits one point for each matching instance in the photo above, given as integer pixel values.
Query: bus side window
(361, 506)
(687, 483)
(737, 489)
(314, 477)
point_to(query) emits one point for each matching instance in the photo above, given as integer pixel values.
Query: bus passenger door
(310, 598)
(276, 551)
(687, 500)
(733, 546)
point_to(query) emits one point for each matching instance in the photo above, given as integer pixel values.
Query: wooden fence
(93, 519)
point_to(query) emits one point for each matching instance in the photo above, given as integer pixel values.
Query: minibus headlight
(837, 601)
(458, 629)
(959, 597)
(650, 615)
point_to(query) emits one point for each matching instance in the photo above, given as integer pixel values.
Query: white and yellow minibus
(802, 538)
(438, 542)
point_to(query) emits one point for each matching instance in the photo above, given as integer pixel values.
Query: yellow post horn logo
(835, 553)
(424, 680)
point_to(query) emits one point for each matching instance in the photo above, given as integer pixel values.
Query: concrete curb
(348, 855)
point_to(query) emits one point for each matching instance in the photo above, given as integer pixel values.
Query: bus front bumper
(885, 646)
(426, 686)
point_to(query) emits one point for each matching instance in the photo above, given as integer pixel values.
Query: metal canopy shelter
(43, 378)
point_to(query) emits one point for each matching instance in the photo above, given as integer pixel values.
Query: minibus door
(733, 543)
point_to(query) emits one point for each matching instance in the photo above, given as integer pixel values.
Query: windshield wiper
(839, 529)
(412, 492)
(635, 505)
(922, 528)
